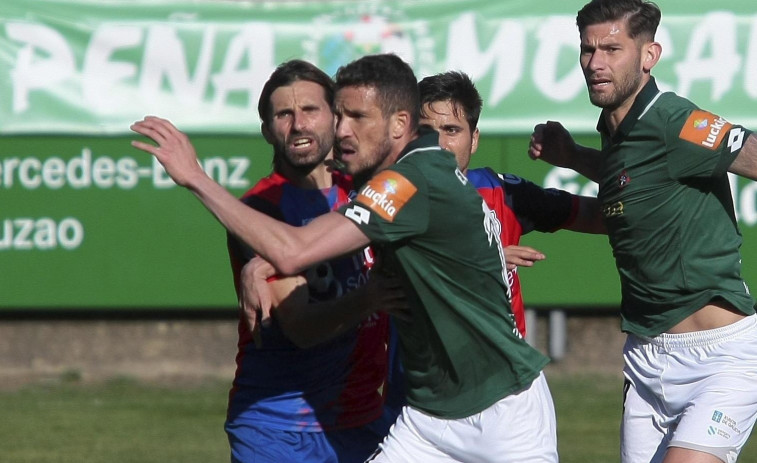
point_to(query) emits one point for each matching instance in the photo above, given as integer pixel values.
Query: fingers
(161, 131)
(535, 145)
(149, 128)
(522, 256)
(253, 320)
(552, 126)
(152, 149)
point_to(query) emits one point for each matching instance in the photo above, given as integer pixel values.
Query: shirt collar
(427, 136)
(643, 99)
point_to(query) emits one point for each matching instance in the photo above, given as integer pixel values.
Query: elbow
(286, 263)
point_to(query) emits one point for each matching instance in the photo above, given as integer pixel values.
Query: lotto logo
(735, 139)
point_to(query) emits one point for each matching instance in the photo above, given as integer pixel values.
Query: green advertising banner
(93, 67)
(86, 221)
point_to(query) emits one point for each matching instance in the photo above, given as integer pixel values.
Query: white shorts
(518, 429)
(693, 390)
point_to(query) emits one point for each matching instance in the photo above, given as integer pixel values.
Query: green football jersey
(460, 350)
(669, 212)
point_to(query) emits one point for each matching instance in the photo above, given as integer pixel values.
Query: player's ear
(266, 133)
(474, 141)
(651, 55)
(399, 124)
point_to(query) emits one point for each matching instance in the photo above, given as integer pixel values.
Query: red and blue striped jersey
(334, 385)
(520, 207)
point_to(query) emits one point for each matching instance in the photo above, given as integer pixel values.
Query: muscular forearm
(311, 324)
(289, 249)
(586, 162)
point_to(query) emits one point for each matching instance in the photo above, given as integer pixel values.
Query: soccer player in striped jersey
(451, 104)
(309, 385)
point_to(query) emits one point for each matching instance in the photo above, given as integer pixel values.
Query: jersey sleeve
(391, 206)
(537, 208)
(702, 144)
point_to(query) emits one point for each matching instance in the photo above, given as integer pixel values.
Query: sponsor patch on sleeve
(705, 129)
(386, 194)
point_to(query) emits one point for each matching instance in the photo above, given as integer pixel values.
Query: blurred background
(108, 269)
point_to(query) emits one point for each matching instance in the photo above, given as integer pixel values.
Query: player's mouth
(302, 143)
(346, 150)
(598, 84)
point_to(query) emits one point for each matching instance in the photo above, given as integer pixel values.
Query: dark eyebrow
(352, 112)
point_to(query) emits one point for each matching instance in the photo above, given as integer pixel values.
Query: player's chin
(350, 163)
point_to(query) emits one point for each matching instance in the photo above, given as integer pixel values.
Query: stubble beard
(622, 91)
(304, 164)
(369, 168)
(365, 165)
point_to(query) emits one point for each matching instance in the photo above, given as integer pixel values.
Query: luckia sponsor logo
(380, 199)
(390, 186)
(715, 129)
(700, 124)
(368, 28)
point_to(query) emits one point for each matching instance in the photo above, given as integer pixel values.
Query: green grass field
(128, 422)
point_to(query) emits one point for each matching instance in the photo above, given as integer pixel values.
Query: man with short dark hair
(451, 104)
(691, 352)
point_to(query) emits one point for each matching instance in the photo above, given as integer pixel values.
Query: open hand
(172, 148)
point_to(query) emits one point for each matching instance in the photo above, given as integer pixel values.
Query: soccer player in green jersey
(691, 350)
(475, 389)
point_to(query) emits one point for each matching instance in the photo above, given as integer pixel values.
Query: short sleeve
(702, 144)
(391, 206)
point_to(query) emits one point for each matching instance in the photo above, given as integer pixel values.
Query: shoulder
(670, 106)
(267, 187)
(266, 195)
(483, 177)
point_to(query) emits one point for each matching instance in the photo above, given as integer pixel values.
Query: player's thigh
(721, 411)
(643, 428)
(682, 455)
(521, 428)
(355, 445)
(407, 440)
(253, 444)
(719, 420)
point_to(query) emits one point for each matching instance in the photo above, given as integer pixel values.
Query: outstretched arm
(289, 249)
(745, 163)
(552, 143)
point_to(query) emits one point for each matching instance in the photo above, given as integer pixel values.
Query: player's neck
(397, 148)
(614, 117)
(318, 178)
